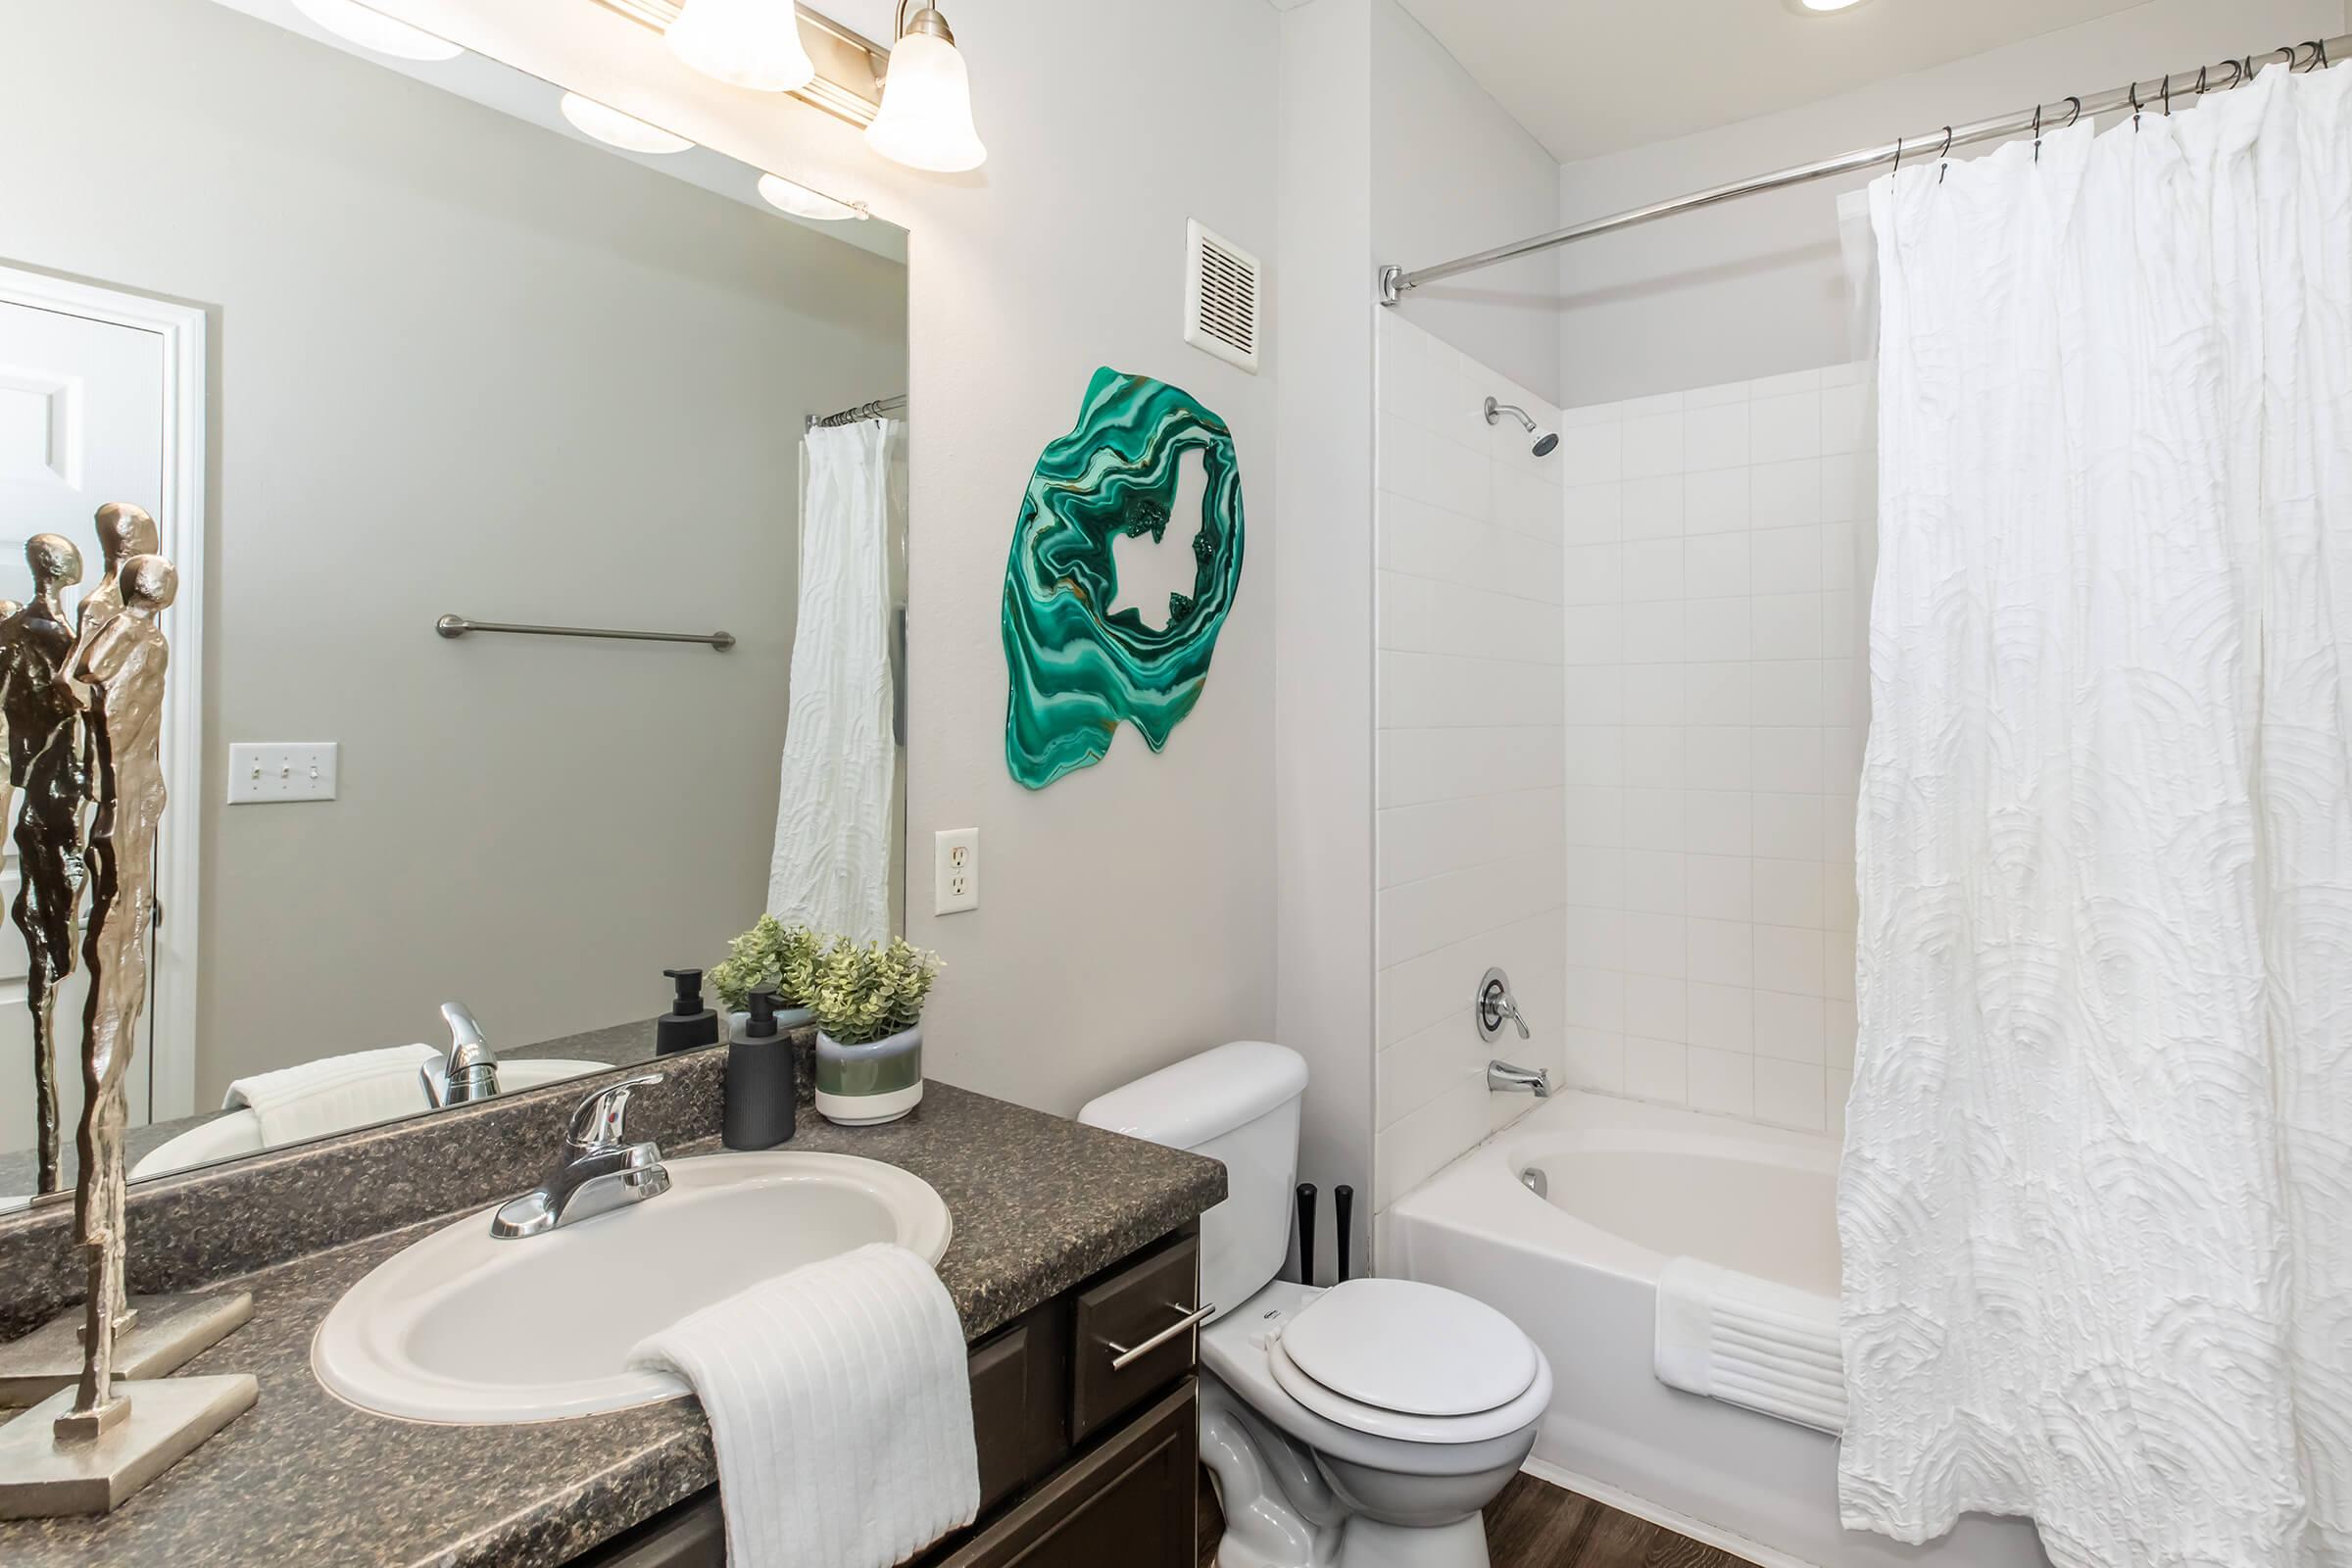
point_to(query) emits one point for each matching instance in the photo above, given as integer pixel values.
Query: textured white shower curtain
(831, 866)
(2096, 1205)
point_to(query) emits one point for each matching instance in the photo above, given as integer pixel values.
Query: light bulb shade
(926, 116)
(372, 31)
(744, 43)
(613, 129)
(791, 196)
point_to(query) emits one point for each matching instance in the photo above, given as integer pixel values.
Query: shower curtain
(831, 866)
(2096, 1205)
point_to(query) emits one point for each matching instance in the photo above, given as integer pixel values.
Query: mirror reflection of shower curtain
(831, 868)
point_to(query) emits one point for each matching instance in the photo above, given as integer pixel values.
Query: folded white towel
(1750, 1342)
(841, 1408)
(334, 1094)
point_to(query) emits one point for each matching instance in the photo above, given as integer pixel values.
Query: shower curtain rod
(851, 416)
(2151, 97)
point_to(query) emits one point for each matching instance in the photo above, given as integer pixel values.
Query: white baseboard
(1682, 1524)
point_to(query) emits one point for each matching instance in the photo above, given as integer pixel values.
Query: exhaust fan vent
(1221, 297)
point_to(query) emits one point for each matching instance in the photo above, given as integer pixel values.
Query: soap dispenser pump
(688, 1023)
(761, 1093)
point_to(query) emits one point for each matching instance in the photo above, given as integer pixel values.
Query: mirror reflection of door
(83, 417)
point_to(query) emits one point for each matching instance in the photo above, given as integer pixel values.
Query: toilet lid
(1413, 1348)
(1501, 1422)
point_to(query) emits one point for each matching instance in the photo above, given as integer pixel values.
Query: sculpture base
(169, 1332)
(45, 1477)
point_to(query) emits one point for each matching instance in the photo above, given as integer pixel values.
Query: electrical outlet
(286, 770)
(955, 863)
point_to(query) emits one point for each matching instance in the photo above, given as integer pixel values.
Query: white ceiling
(1593, 77)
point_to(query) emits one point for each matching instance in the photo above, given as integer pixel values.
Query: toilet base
(1369, 1543)
(1281, 1510)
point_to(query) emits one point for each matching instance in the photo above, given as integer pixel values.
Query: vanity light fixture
(744, 43)
(377, 32)
(791, 196)
(613, 129)
(926, 116)
(1823, 8)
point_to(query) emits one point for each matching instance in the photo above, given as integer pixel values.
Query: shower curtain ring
(2038, 133)
(1945, 157)
(2200, 81)
(2076, 115)
(2318, 55)
(2167, 95)
(2134, 107)
(1898, 157)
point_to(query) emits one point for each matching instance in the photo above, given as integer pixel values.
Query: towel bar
(459, 626)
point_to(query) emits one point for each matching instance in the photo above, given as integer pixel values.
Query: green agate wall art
(1076, 667)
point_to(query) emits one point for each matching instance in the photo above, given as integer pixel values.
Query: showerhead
(1544, 439)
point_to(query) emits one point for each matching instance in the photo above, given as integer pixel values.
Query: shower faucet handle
(1495, 1004)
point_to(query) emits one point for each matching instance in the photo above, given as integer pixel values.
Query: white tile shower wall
(1716, 571)
(1471, 755)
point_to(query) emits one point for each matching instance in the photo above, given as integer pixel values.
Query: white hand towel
(841, 1408)
(1750, 1342)
(334, 1094)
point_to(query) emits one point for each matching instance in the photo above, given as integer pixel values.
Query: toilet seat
(1400, 1426)
(1411, 1349)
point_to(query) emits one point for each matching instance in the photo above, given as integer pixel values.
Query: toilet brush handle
(1307, 1232)
(1342, 1211)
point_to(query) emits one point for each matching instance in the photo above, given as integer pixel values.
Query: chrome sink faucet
(471, 1072)
(597, 1171)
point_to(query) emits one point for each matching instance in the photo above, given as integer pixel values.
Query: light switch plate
(262, 774)
(956, 870)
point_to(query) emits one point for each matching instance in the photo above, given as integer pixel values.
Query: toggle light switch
(285, 770)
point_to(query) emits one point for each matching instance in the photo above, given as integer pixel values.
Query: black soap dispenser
(688, 1023)
(760, 1090)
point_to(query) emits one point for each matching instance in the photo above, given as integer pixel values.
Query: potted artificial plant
(868, 1001)
(773, 957)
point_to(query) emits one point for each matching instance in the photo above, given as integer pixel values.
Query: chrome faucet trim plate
(1495, 1004)
(597, 1171)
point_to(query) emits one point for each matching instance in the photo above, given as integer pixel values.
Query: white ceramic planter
(858, 1086)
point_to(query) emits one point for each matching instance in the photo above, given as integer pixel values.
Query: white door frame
(179, 523)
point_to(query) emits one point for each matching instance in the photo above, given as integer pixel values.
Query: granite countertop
(1038, 1203)
(618, 1045)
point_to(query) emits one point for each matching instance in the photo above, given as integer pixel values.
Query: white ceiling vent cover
(1222, 297)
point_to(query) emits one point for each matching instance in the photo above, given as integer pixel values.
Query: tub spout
(1505, 1078)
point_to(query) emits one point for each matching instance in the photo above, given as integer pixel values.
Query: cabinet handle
(1121, 1354)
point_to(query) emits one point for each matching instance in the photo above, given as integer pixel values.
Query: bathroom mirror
(403, 355)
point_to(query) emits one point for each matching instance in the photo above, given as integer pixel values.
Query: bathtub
(1628, 1186)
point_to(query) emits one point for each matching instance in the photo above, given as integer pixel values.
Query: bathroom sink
(465, 1327)
(238, 1132)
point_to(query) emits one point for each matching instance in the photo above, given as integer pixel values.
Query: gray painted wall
(1453, 173)
(1757, 286)
(1127, 913)
(460, 363)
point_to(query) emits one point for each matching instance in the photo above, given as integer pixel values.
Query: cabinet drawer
(1131, 1501)
(1121, 1314)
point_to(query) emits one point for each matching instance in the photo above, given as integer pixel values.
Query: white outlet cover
(956, 870)
(263, 773)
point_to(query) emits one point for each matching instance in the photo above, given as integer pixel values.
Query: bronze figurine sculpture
(44, 767)
(86, 1446)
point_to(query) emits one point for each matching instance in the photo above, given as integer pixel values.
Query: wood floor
(1534, 1524)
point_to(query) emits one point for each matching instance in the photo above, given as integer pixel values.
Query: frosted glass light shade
(791, 196)
(613, 129)
(374, 31)
(926, 116)
(744, 43)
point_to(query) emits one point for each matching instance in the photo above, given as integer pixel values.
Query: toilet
(1364, 1425)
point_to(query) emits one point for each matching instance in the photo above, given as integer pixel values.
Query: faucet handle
(601, 1121)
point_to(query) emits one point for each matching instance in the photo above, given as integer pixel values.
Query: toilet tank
(1239, 1105)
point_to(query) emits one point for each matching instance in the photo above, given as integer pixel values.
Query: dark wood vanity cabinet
(1081, 1464)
